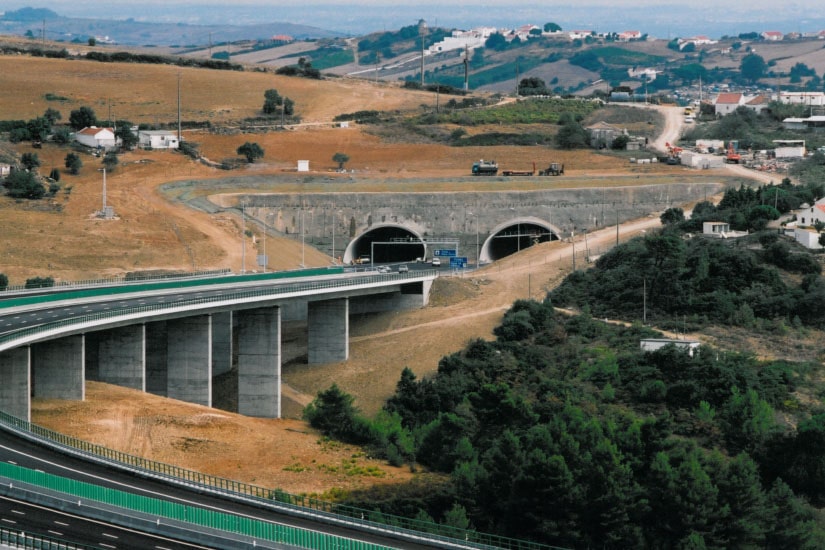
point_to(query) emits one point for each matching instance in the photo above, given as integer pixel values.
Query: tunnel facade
(515, 235)
(386, 243)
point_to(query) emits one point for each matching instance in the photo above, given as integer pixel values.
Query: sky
(659, 18)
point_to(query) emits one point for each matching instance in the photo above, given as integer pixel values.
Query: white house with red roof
(806, 217)
(728, 102)
(97, 138)
(772, 36)
(627, 36)
(758, 103)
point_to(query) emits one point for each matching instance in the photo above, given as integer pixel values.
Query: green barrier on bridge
(167, 285)
(359, 515)
(212, 519)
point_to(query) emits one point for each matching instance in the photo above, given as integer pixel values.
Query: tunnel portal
(515, 237)
(386, 244)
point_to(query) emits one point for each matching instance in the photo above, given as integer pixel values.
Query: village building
(728, 102)
(97, 138)
(603, 134)
(772, 36)
(157, 139)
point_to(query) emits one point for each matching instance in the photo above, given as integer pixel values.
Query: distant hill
(32, 21)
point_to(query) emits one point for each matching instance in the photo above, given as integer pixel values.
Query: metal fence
(356, 517)
(19, 539)
(211, 519)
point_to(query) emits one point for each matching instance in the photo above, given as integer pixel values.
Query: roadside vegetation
(564, 431)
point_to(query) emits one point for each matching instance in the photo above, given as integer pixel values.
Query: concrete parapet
(328, 331)
(59, 368)
(15, 390)
(259, 362)
(189, 359)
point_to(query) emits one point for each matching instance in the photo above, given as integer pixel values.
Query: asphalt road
(28, 455)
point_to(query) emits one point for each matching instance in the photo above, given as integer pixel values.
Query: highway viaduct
(171, 340)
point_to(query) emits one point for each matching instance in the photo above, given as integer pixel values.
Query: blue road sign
(459, 262)
(445, 252)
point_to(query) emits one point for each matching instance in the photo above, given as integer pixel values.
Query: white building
(789, 148)
(815, 99)
(157, 139)
(807, 237)
(809, 215)
(5, 169)
(652, 344)
(97, 138)
(459, 40)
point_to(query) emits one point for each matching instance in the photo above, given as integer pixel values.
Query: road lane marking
(110, 536)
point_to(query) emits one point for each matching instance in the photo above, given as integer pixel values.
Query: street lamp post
(243, 237)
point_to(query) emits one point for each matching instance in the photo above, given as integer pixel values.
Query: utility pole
(179, 124)
(43, 35)
(422, 30)
(466, 68)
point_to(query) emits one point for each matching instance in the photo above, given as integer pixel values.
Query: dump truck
(485, 168)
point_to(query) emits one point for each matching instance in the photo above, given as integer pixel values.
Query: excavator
(732, 157)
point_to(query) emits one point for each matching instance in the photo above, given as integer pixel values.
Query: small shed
(653, 344)
(789, 148)
(715, 228)
(807, 237)
(303, 166)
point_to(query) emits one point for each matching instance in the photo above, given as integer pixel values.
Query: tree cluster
(275, 104)
(563, 431)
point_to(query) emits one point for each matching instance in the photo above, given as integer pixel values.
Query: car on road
(436, 262)
(403, 268)
(384, 269)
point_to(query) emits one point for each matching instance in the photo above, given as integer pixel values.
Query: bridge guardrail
(187, 514)
(236, 296)
(113, 281)
(27, 540)
(341, 514)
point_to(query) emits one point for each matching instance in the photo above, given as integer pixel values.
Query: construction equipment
(485, 168)
(520, 172)
(672, 150)
(732, 156)
(555, 169)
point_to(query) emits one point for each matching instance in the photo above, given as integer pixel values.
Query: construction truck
(555, 169)
(732, 156)
(485, 168)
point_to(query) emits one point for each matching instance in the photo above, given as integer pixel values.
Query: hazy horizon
(655, 17)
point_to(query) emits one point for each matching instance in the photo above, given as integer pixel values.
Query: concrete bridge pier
(189, 359)
(15, 391)
(157, 374)
(59, 368)
(121, 357)
(328, 331)
(259, 362)
(221, 342)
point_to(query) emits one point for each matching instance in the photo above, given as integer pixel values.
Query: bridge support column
(15, 391)
(59, 368)
(122, 357)
(259, 362)
(189, 359)
(328, 331)
(157, 373)
(221, 342)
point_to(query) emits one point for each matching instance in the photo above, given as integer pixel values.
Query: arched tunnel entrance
(514, 236)
(386, 244)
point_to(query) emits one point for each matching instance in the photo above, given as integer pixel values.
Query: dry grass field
(61, 237)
